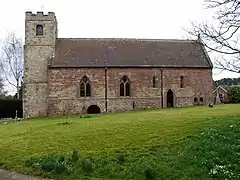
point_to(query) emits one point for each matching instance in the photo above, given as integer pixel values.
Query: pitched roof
(224, 88)
(108, 52)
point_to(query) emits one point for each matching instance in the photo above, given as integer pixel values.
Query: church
(97, 75)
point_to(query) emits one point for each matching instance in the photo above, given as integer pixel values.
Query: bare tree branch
(222, 37)
(2, 92)
(11, 62)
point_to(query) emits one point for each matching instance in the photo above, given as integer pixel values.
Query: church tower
(39, 48)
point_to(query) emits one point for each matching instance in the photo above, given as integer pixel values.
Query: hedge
(8, 108)
(234, 94)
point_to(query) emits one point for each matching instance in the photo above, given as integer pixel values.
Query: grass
(179, 143)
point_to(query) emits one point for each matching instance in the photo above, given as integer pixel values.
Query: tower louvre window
(39, 30)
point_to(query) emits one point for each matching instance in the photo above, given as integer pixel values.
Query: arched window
(39, 30)
(85, 87)
(125, 86)
(122, 89)
(195, 100)
(182, 81)
(154, 81)
(201, 99)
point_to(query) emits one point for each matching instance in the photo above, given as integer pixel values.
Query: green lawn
(179, 143)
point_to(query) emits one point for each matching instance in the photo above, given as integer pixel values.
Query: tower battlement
(40, 16)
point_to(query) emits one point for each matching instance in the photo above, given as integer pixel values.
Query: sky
(107, 18)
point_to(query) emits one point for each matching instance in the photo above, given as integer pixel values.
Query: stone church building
(95, 75)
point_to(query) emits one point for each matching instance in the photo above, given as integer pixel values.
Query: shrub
(61, 159)
(87, 165)
(49, 164)
(60, 168)
(121, 158)
(234, 94)
(75, 156)
(149, 173)
(8, 108)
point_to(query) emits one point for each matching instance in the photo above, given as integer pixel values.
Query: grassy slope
(167, 139)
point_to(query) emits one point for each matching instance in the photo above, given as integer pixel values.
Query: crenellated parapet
(40, 16)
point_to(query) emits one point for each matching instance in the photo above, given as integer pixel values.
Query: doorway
(170, 98)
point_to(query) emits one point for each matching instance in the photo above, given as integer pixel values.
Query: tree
(11, 61)
(2, 91)
(20, 94)
(234, 94)
(222, 36)
(227, 82)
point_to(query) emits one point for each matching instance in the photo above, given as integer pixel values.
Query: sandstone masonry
(160, 73)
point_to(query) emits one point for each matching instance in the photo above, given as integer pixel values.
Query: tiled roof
(95, 52)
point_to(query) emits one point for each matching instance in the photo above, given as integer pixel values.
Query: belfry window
(39, 30)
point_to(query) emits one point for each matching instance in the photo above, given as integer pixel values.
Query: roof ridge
(132, 39)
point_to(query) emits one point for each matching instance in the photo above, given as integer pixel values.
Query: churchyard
(175, 143)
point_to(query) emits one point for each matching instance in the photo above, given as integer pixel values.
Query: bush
(8, 108)
(75, 156)
(121, 158)
(48, 164)
(149, 173)
(87, 165)
(234, 94)
(60, 168)
(61, 159)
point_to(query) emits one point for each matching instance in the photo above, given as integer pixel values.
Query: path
(7, 175)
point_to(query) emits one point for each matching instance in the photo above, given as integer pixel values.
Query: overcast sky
(110, 18)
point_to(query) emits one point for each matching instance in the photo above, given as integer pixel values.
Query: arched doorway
(93, 109)
(170, 98)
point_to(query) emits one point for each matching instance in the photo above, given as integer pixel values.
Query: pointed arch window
(85, 87)
(125, 88)
(39, 30)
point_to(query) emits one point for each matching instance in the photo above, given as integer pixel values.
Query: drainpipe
(106, 89)
(162, 87)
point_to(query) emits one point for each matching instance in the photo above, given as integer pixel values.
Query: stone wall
(197, 83)
(38, 51)
(63, 86)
